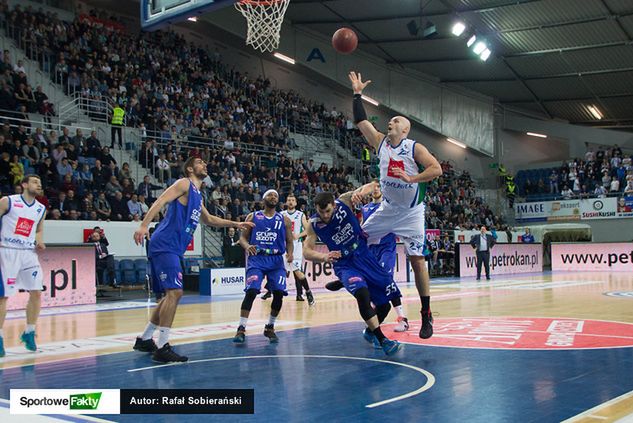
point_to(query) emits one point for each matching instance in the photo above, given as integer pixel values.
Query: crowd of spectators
(602, 172)
(180, 97)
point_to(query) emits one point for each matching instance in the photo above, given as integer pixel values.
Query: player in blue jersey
(384, 251)
(168, 245)
(336, 226)
(266, 243)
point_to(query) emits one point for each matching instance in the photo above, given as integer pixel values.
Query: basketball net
(264, 19)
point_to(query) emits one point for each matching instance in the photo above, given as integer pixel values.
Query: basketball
(344, 40)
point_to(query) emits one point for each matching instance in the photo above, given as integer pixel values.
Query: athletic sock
(149, 331)
(399, 311)
(426, 304)
(272, 319)
(29, 329)
(379, 335)
(163, 336)
(243, 321)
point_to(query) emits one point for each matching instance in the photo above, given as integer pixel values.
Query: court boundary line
(588, 413)
(430, 378)
(5, 403)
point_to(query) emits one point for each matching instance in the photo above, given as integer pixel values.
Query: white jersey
(296, 220)
(395, 191)
(19, 223)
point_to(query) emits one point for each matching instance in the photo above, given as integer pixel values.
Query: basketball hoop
(264, 19)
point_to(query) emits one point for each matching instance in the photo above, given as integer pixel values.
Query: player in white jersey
(406, 166)
(299, 231)
(22, 218)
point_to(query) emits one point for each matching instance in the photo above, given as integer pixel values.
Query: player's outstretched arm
(422, 156)
(309, 253)
(290, 245)
(218, 222)
(370, 133)
(245, 236)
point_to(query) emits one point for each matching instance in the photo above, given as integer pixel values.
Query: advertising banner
(227, 281)
(599, 208)
(69, 278)
(548, 210)
(625, 207)
(598, 257)
(504, 259)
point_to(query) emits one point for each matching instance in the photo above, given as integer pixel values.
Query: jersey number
(278, 225)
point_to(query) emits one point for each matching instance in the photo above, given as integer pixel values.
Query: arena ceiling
(554, 58)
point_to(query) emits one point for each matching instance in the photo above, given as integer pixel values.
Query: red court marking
(525, 333)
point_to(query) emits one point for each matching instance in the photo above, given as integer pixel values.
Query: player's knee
(174, 294)
(382, 311)
(396, 302)
(278, 297)
(35, 295)
(249, 297)
(364, 303)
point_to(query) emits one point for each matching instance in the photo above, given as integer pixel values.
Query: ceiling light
(471, 40)
(534, 134)
(458, 29)
(457, 143)
(284, 58)
(480, 47)
(595, 112)
(370, 100)
(193, 19)
(485, 55)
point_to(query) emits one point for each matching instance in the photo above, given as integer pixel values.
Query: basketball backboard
(156, 14)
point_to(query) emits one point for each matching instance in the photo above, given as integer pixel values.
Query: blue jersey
(343, 233)
(358, 267)
(387, 241)
(269, 234)
(174, 233)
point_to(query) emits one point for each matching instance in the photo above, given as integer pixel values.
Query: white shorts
(407, 224)
(297, 259)
(19, 269)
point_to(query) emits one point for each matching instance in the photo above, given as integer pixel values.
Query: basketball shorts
(166, 272)
(405, 223)
(19, 269)
(270, 267)
(362, 270)
(386, 256)
(297, 259)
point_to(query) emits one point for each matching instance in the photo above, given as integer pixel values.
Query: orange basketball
(344, 40)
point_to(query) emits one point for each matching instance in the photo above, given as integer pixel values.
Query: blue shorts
(166, 272)
(271, 267)
(363, 270)
(386, 256)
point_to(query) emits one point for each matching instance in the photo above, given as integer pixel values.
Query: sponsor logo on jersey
(10, 281)
(393, 165)
(18, 205)
(24, 226)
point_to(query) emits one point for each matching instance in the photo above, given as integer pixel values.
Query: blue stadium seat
(140, 267)
(128, 274)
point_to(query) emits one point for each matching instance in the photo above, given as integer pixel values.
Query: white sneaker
(402, 325)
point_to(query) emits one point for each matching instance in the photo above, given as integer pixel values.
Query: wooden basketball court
(539, 347)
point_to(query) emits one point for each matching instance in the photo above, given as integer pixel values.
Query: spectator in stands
(120, 211)
(527, 237)
(143, 205)
(146, 189)
(59, 153)
(600, 191)
(232, 256)
(163, 168)
(112, 187)
(16, 170)
(59, 203)
(106, 158)
(567, 193)
(615, 185)
(134, 206)
(100, 175)
(628, 190)
(102, 206)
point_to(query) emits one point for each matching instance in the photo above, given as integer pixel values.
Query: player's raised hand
(332, 256)
(357, 198)
(245, 225)
(357, 82)
(400, 173)
(141, 235)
